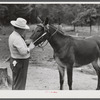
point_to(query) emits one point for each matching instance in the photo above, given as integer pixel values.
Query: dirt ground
(45, 76)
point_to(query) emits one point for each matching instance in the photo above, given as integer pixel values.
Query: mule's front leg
(61, 75)
(97, 69)
(69, 76)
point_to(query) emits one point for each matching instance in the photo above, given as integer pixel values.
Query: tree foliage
(58, 13)
(86, 17)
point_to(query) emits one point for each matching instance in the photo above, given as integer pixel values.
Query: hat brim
(14, 24)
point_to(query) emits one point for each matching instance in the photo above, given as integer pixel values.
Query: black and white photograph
(49, 47)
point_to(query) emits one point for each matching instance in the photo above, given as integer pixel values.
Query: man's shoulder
(14, 35)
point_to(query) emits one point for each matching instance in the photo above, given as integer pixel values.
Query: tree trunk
(90, 29)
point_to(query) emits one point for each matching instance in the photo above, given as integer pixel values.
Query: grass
(6, 30)
(83, 31)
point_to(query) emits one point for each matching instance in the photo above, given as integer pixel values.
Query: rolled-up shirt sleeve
(20, 46)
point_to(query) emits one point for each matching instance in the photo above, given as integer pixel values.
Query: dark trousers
(19, 73)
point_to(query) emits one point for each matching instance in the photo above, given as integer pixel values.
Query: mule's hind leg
(97, 69)
(61, 74)
(69, 76)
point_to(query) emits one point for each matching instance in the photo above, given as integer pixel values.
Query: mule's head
(40, 33)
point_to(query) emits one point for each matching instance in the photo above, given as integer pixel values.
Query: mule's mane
(60, 31)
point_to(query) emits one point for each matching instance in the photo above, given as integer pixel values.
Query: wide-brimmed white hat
(20, 23)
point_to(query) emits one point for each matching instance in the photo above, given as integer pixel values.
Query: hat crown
(21, 22)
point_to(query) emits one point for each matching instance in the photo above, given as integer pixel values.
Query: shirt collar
(18, 34)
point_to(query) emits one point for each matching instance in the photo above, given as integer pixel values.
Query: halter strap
(40, 37)
(53, 33)
(49, 38)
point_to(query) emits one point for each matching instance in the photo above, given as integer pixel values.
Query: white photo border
(31, 94)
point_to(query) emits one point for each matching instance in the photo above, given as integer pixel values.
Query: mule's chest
(59, 62)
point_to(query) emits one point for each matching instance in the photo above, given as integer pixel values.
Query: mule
(69, 52)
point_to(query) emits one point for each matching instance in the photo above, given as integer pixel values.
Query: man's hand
(28, 41)
(31, 46)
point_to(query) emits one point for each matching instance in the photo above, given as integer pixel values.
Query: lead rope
(42, 46)
(40, 37)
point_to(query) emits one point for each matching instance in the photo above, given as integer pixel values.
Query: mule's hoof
(70, 88)
(61, 88)
(97, 88)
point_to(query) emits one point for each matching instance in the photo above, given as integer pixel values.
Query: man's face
(24, 33)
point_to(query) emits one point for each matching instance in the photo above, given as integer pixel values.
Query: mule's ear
(39, 20)
(46, 21)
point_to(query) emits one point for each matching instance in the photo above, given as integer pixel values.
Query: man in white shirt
(20, 54)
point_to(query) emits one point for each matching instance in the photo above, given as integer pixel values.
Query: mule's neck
(58, 40)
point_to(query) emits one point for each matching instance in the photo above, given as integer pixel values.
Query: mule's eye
(38, 30)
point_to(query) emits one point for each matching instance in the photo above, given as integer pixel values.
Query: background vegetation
(77, 14)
